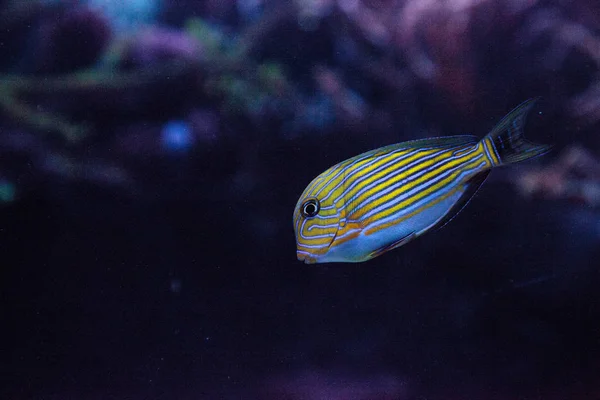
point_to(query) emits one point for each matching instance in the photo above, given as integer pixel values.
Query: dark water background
(145, 225)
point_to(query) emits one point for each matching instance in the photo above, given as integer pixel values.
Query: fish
(380, 200)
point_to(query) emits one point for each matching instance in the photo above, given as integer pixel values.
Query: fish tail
(505, 144)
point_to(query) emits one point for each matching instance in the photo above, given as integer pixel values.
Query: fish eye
(310, 208)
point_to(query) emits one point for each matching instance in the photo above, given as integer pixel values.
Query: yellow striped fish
(382, 199)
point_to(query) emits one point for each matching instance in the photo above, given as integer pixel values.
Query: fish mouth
(307, 258)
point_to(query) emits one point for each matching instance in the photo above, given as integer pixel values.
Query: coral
(445, 46)
(385, 52)
(568, 36)
(574, 176)
(155, 45)
(13, 90)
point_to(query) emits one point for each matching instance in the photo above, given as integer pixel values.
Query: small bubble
(175, 285)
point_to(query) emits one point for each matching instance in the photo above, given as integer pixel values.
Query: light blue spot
(127, 16)
(177, 136)
(7, 191)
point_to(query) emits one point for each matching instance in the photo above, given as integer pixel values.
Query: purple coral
(575, 176)
(157, 44)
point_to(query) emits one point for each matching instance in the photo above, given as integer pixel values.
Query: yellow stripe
(360, 200)
(412, 214)
(329, 185)
(409, 186)
(367, 157)
(491, 150)
(352, 170)
(314, 242)
(411, 200)
(369, 177)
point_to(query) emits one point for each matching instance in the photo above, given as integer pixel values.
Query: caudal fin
(506, 143)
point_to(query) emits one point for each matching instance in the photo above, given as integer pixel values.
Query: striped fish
(384, 198)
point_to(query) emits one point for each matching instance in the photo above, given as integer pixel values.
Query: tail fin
(506, 144)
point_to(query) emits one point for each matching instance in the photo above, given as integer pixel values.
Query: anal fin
(392, 245)
(472, 185)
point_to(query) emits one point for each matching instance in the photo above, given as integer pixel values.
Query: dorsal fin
(441, 142)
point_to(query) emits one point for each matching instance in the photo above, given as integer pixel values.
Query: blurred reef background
(151, 154)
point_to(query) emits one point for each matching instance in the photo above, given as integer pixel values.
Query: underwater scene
(300, 199)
